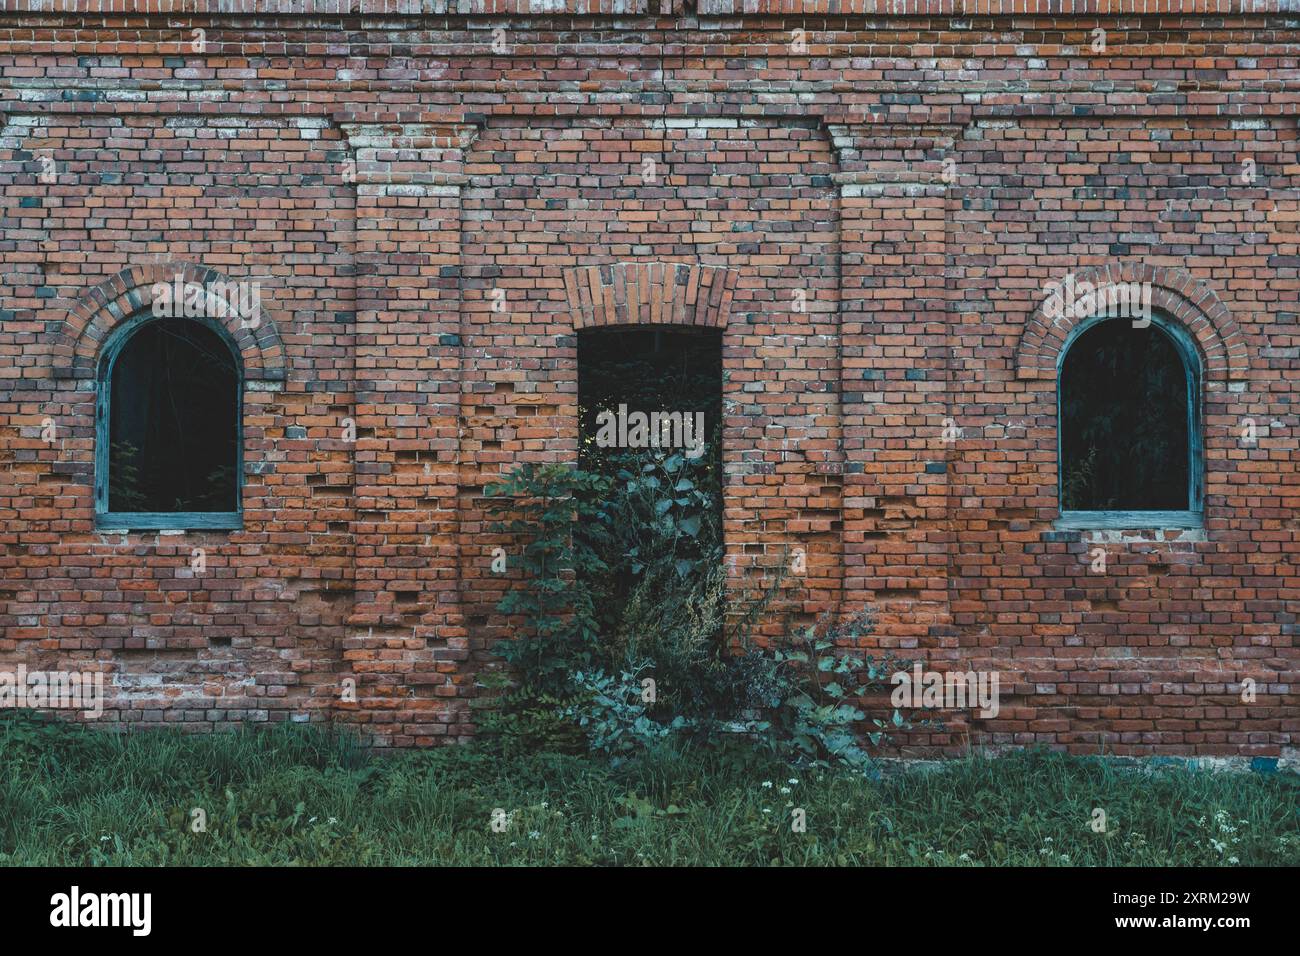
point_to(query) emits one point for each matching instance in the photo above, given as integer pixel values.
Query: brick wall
(867, 198)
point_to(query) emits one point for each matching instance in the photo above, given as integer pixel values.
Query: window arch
(168, 435)
(1129, 425)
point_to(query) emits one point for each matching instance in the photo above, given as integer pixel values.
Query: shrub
(557, 512)
(629, 638)
(525, 721)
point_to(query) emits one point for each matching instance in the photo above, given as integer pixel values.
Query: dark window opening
(648, 370)
(1128, 420)
(173, 421)
(650, 414)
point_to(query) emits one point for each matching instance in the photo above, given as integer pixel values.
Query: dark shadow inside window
(1125, 421)
(648, 370)
(655, 369)
(173, 421)
(663, 555)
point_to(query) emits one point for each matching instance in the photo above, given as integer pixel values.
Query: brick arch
(649, 293)
(103, 308)
(1188, 300)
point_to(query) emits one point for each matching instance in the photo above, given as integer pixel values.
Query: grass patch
(297, 795)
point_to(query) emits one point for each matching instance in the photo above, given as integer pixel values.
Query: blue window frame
(1131, 396)
(169, 427)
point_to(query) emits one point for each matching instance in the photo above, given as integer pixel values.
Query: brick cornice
(899, 148)
(413, 8)
(706, 8)
(408, 154)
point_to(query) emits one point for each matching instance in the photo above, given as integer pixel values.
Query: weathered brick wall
(135, 197)
(867, 198)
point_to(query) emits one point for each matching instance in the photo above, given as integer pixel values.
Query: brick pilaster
(406, 635)
(894, 375)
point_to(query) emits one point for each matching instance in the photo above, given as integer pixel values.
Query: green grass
(299, 796)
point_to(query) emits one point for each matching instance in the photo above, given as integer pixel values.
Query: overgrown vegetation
(297, 795)
(624, 635)
(624, 632)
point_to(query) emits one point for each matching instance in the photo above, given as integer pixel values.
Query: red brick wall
(869, 209)
(136, 196)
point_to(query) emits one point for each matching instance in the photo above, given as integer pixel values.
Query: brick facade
(869, 198)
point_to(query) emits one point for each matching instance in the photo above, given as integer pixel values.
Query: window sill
(163, 521)
(1129, 520)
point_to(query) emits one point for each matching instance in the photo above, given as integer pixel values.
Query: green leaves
(818, 685)
(622, 576)
(558, 513)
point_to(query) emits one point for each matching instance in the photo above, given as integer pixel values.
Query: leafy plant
(616, 715)
(624, 581)
(557, 512)
(523, 721)
(124, 482)
(816, 689)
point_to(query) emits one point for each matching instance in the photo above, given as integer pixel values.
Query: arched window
(168, 448)
(1130, 427)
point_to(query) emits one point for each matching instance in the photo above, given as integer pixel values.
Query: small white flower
(1233, 859)
(766, 810)
(331, 821)
(534, 834)
(785, 790)
(794, 782)
(767, 784)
